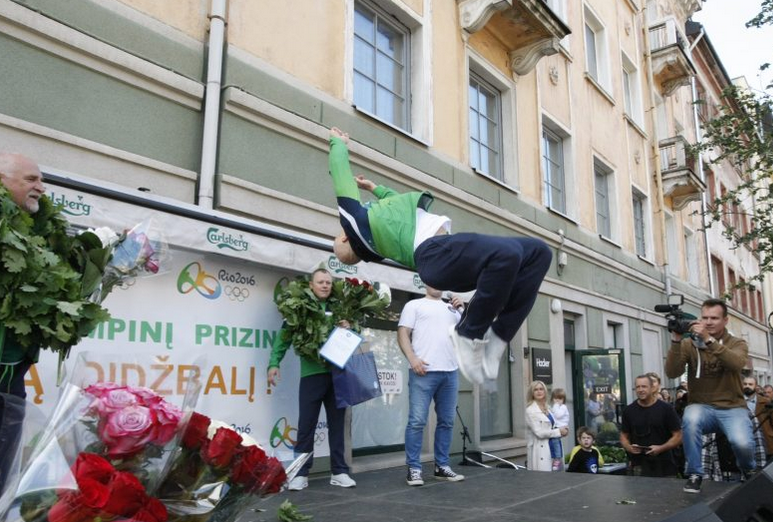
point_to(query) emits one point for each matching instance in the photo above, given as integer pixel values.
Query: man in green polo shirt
(22, 179)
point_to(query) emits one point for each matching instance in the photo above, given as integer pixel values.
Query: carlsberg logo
(337, 267)
(71, 207)
(227, 240)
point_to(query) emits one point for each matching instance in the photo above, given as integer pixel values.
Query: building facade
(566, 121)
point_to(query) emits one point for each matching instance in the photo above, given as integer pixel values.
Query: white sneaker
(469, 353)
(492, 355)
(298, 483)
(343, 480)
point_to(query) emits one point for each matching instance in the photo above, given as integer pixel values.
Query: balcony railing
(671, 63)
(677, 166)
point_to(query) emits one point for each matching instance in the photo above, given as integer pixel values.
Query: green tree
(742, 133)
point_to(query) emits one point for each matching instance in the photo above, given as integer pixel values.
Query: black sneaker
(446, 473)
(414, 477)
(693, 484)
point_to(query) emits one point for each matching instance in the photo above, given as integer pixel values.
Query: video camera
(679, 321)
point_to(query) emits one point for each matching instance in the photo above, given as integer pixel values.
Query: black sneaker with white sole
(693, 484)
(446, 473)
(414, 477)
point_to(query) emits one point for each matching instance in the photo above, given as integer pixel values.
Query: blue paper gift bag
(357, 382)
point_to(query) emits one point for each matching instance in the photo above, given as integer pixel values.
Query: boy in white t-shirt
(422, 337)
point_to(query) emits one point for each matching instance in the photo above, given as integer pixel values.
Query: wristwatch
(710, 341)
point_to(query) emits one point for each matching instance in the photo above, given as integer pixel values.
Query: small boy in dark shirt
(585, 457)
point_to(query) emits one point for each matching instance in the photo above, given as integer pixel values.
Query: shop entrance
(599, 392)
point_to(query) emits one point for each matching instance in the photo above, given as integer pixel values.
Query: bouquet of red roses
(94, 491)
(101, 457)
(218, 473)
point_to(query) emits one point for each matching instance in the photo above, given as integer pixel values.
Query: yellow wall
(304, 39)
(188, 16)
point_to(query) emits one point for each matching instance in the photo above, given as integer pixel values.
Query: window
(596, 63)
(712, 189)
(560, 9)
(760, 309)
(732, 281)
(639, 224)
(381, 66)
(672, 245)
(603, 201)
(717, 275)
(485, 127)
(553, 170)
(691, 255)
(631, 90)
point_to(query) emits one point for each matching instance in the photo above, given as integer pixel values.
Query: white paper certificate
(340, 346)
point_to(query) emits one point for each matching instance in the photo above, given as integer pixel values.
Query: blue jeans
(505, 272)
(733, 422)
(441, 387)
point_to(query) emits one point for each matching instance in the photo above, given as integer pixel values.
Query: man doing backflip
(505, 272)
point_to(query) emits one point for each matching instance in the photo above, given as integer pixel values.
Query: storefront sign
(542, 365)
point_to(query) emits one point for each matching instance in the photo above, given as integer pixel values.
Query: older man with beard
(23, 181)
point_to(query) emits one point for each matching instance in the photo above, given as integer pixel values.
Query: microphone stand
(468, 461)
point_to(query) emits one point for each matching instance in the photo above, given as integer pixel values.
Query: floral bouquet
(218, 473)
(308, 324)
(101, 457)
(134, 254)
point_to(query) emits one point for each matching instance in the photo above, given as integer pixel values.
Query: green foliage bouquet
(46, 278)
(308, 322)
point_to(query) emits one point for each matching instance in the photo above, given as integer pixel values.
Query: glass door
(599, 381)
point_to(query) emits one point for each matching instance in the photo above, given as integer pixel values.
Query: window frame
(632, 97)
(639, 226)
(379, 19)
(547, 180)
(592, 24)
(508, 128)
(603, 171)
(497, 147)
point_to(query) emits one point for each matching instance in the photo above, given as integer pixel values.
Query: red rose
(91, 466)
(127, 495)
(195, 431)
(92, 493)
(154, 511)
(69, 509)
(219, 451)
(248, 466)
(275, 477)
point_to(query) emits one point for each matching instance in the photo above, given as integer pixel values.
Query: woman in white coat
(540, 427)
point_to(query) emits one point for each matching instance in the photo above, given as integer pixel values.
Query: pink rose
(127, 431)
(167, 417)
(146, 395)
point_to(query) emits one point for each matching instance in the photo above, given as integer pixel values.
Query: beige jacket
(537, 434)
(714, 373)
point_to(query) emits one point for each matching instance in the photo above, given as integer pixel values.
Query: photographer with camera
(714, 360)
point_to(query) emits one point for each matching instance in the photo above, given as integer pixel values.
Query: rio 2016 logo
(283, 433)
(193, 277)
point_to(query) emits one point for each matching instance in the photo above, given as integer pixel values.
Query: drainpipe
(656, 154)
(701, 173)
(212, 104)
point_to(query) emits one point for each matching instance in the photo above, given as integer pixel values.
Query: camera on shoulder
(679, 321)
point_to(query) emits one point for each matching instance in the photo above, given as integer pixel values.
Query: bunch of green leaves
(307, 326)
(47, 277)
(612, 454)
(308, 322)
(289, 512)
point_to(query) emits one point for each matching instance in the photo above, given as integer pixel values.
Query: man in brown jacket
(714, 360)
(760, 408)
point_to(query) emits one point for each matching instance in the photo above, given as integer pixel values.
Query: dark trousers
(12, 404)
(505, 272)
(316, 390)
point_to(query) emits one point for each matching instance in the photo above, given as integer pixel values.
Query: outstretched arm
(338, 163)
